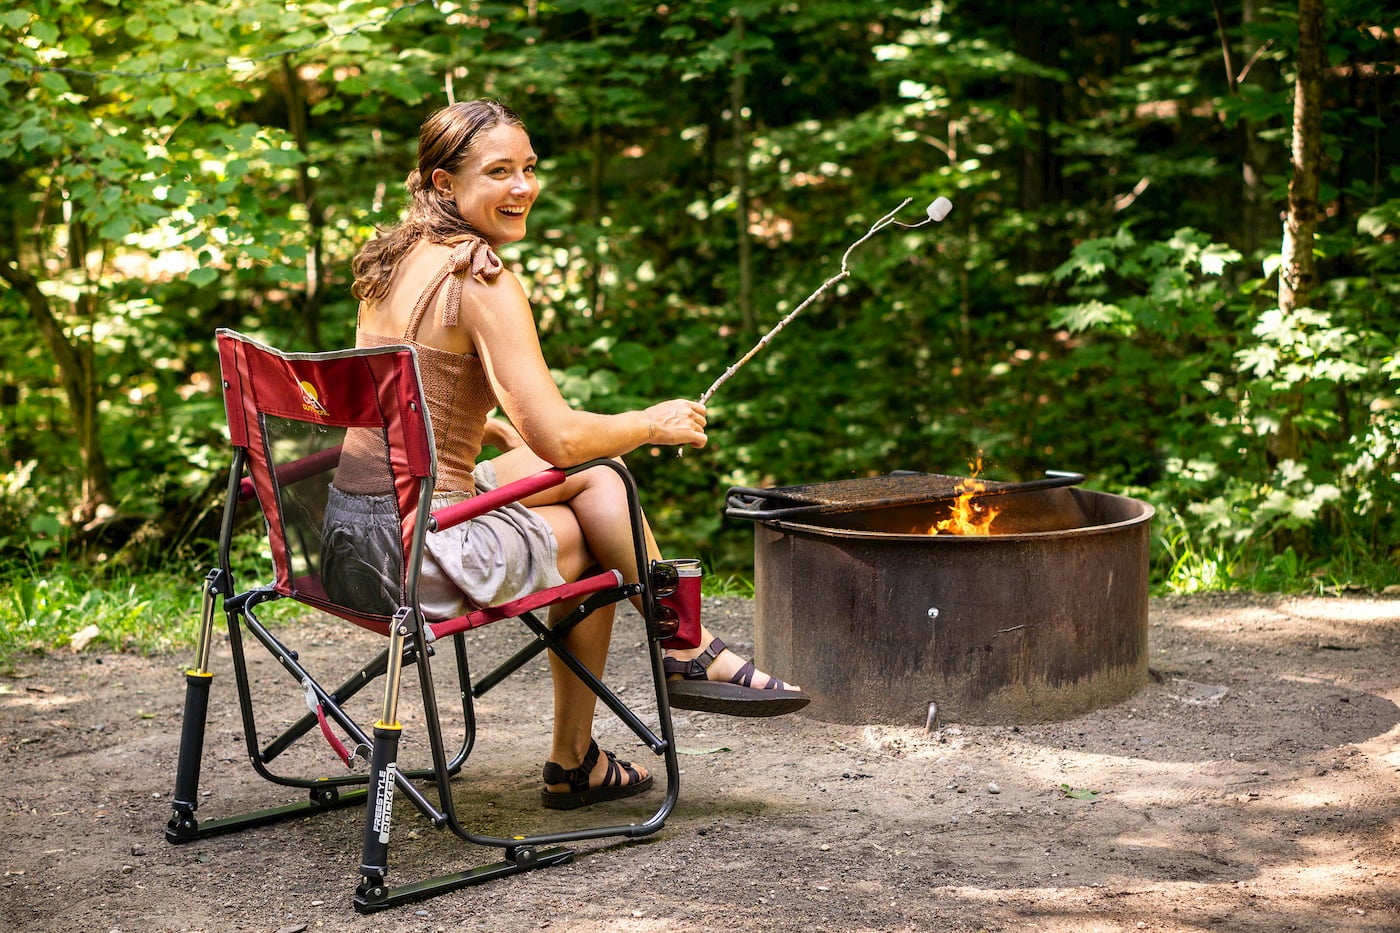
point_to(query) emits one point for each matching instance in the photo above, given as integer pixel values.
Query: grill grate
(872, 492)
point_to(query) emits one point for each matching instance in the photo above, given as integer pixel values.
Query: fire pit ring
(882, 624)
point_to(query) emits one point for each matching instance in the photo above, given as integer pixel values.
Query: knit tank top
(455, 387)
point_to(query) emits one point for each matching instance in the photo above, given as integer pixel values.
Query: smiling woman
(478, 350)
(496, 184)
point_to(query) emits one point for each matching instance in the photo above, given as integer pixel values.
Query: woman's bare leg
(574, 702)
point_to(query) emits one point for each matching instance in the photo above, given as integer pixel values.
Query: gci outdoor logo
(384, 801)
(311, 400)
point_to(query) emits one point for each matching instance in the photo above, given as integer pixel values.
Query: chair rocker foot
(183, 827)
(373, 895)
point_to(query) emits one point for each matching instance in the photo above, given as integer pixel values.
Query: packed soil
(1252, 785)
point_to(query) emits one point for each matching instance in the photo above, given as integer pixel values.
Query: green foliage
(1241, 511)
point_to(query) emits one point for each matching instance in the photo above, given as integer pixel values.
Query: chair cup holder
(676, 583)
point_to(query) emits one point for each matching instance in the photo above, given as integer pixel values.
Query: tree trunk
(295, 97)
(76, 376)
(738, 91)
(1041, 100)
(1298, 271)
(596, 176)
(1298, 274)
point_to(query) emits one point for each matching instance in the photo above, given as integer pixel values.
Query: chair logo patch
(311, 400)
(384, 801)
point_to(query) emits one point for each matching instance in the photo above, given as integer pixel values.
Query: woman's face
(496, 184)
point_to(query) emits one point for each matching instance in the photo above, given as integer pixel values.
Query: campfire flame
(968, 516)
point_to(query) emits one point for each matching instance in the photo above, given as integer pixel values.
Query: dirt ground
(1253, 785)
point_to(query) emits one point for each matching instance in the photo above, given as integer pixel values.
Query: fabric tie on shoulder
(471, 256)
(476, 256)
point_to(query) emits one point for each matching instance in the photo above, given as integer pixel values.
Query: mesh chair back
(293, 416)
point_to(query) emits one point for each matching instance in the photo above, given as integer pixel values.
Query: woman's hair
(445, 140)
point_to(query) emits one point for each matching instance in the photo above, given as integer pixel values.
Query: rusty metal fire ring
(880, 621)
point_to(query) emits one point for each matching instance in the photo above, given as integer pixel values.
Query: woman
(478, 349)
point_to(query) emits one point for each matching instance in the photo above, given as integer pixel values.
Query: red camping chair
(289, 416)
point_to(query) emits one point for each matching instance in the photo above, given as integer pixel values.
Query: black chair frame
(413, 641)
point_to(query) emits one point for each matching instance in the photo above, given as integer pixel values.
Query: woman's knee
(602, 484)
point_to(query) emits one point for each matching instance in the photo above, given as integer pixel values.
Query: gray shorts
(497, 557)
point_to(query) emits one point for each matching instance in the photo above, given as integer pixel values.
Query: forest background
(1171, 263)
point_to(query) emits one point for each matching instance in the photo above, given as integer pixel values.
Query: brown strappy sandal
(579, 793)
(738, 697)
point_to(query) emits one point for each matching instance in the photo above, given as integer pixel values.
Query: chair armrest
(296, 470)
(487, 501)
(538, 600)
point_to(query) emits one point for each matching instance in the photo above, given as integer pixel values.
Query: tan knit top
(455, 386)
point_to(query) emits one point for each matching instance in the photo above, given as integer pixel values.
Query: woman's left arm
(501, 434)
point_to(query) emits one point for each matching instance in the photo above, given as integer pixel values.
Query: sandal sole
(733, 699)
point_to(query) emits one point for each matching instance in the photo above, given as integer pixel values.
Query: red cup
(685, 603)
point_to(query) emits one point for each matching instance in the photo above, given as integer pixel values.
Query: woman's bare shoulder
(503, 292)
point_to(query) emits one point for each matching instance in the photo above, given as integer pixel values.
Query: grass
(42, 608)
(728, 585)
(1184, 567)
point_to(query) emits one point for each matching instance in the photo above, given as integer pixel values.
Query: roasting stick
(935, 212)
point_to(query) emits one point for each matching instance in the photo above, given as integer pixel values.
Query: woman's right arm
(502, 328)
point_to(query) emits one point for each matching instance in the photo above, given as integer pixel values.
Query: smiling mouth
(512, 211)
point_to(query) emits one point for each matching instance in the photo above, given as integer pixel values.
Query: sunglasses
(664, 580)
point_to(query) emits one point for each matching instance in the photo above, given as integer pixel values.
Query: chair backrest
(301, 422)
